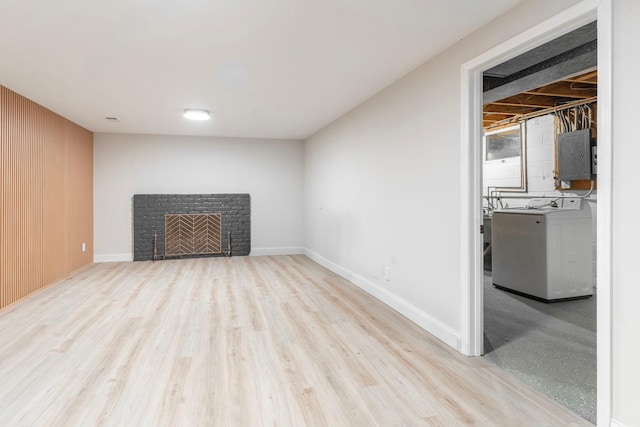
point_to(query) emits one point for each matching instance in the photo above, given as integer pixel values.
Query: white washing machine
(544, 252)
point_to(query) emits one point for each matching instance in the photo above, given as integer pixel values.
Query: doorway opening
(473, 157)
(539, 276)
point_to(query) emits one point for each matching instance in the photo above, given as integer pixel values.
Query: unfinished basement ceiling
(515, 108)
(559, 72)
(275, 69)
(579, 43)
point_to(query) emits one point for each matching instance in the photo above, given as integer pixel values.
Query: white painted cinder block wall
(271, 171)
(540, 141)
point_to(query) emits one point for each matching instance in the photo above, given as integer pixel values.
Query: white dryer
(544, 252)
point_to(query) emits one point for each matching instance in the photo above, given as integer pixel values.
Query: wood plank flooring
(247, 341)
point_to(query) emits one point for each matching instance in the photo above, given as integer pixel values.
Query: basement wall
(271, 171)
(382, 183)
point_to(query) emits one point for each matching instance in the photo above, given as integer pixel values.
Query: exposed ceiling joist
(533, 100)
(508, 109)
(568, 89)
(591, 77)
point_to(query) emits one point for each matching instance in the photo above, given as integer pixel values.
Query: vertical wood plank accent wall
(46, 196)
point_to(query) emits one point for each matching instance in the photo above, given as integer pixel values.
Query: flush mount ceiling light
(193, 114)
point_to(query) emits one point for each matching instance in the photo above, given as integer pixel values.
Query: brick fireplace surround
(149, 211)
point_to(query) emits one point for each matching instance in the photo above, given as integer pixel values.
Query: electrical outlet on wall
(387, 273)
(84, 247)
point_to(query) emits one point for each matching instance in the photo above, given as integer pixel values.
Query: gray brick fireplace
(149, 212)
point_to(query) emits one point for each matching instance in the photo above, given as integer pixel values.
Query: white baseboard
(112, 257)
(254, 252)
(615, 423)
(427, 322)
(276, 251)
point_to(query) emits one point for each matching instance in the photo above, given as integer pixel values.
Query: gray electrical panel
(574, 155)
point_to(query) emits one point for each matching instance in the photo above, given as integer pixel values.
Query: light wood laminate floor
(245, 341)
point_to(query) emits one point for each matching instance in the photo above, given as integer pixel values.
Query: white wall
(540, 144)
(625, 222)
(271, 171)
(541, 154)
(381, 183)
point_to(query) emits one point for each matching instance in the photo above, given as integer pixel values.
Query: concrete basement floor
(551, 347)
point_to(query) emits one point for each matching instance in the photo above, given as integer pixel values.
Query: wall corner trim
(427, 322)
(112, 257)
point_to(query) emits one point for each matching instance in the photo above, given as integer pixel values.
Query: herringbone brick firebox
(191, 225)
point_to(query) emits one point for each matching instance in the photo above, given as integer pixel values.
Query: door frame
(472, 327)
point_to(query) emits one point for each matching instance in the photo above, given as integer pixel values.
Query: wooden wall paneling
(3, 156)
(12, 247)
(46, 179)
(53, 205)
(23, 196)
(7, 160)
(9, 195)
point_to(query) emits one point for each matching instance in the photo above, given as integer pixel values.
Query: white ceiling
(265, 68)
